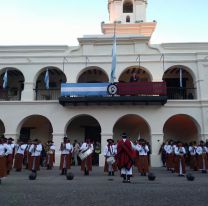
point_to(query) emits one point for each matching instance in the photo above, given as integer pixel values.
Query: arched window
(128, 7)
(128, 19)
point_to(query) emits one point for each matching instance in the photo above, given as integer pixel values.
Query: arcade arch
(56, 77)
(180, 82)
(35, 127)
(182, 128)
(142, 73)
(14, 86)
(135, 126)
(84, 127)
(92, 74)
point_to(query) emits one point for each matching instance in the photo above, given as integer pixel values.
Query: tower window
(128, 7)
(128, 19)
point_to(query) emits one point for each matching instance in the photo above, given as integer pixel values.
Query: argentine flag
(5, 79)
(113, 65)
(46, 79)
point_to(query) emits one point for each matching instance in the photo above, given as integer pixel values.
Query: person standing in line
(162, 153)
(193, 158)
(66, 149)
(143, 165)
(86, 163)
(202, 151)
(3, 161)
(97, 151)
(170, 156)
(20, 150)
(10, 154)
(76, 152)
(125, 157)
(50, 154)
(180, 164)
(110, 162)
(35, 150)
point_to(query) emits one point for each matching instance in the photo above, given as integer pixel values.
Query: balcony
(181, 93)
(11, 94)
(47, 94)
(139, 93)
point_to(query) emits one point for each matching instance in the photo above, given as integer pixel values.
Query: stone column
(104, 137)
(57, 139)
(28, 92)
(156, 142)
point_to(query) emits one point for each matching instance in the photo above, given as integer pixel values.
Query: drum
(83, 155)
(111, 160)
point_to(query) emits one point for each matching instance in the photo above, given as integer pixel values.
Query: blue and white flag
(5, 79)
(84, 89)
(113, 65)
(46, 79)
(181, 77)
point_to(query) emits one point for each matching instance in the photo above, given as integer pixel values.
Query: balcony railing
(142, 88)
(181, 93)
(10, 95)
(118, 93)
(47, 94)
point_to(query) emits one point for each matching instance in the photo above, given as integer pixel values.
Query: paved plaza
(98, 189)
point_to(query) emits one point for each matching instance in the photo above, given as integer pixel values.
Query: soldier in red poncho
(125, 157)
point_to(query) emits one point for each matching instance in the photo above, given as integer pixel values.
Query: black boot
(109, 173)
(124, 178)
(112, 173)
(86, 171)
(128, 179)
(62, 172)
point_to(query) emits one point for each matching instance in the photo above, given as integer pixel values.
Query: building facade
(30, 110)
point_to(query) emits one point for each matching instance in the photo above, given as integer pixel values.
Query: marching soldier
(202, 151)
(50, 154)
(3, 163)
(180, 165)
(125, 157)
(193, 158)
(109, 153)
(10, 154)
(170, 156)
(86, 163)
(142, 162)
(66, 155)
(20, 150)
(35, 151)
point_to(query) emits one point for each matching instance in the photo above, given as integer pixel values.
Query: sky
(61, 22)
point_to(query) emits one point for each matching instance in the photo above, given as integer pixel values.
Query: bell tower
(130, 16)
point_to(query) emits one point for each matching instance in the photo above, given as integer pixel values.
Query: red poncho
(124, 154)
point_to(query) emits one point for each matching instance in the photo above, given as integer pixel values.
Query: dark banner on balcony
(84, 89)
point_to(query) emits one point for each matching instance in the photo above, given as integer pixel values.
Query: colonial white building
(30, 110)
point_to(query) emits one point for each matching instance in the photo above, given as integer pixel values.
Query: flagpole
(113, 65)
(181, 78)
(163, 61)
(139, 58)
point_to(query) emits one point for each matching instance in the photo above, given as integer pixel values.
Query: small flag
(5, 79)
(113, 65)
(46, 79)
(181, 77)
